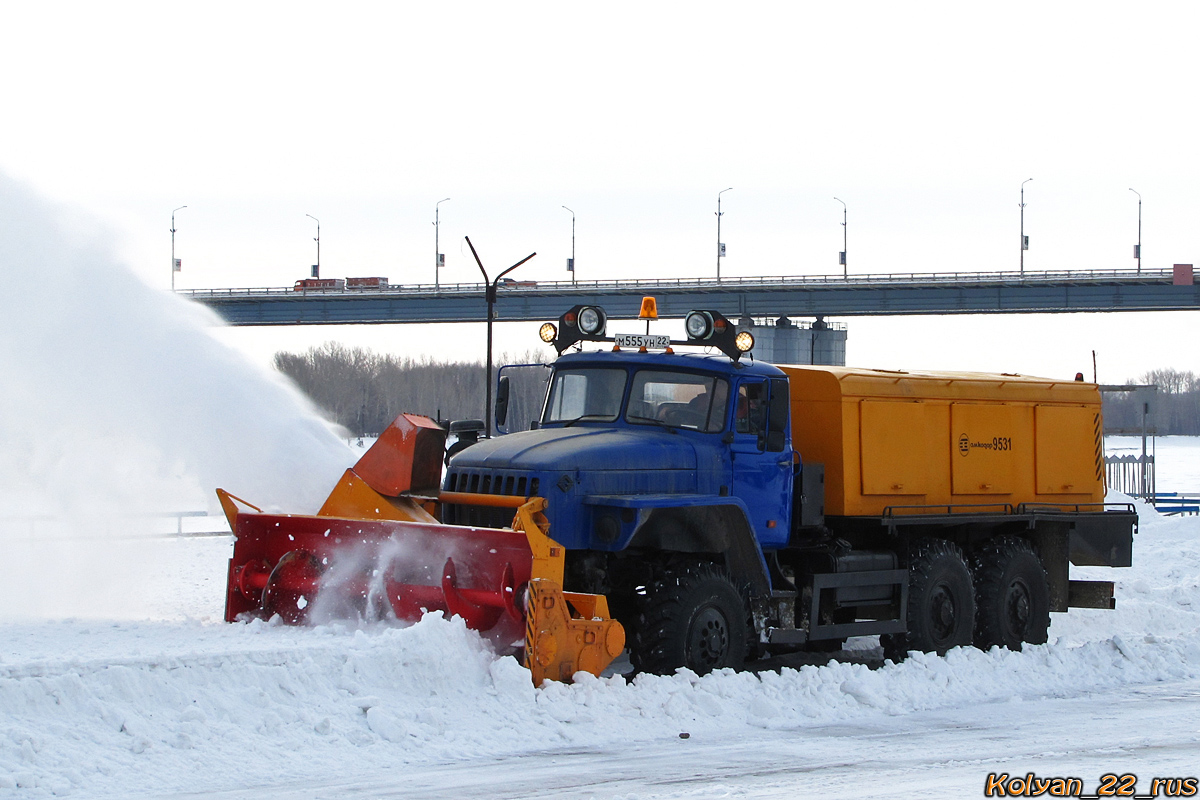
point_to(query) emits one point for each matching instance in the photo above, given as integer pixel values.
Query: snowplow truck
(729, 508)
(702, 509)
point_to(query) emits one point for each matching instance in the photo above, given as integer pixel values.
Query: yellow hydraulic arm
(565, 632)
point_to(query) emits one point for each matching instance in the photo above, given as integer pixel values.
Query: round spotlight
(547, 332)
(591, 320)
(744, 342)
(698, 325)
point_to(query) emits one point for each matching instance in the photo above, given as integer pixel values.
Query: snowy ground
(172, 702)
(931, 754)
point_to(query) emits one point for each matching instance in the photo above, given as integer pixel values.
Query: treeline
(363, 391)
(1174, 407)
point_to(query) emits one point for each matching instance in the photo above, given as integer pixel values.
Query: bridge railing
(634, 285)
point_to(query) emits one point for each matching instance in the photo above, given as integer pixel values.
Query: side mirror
(502, 401)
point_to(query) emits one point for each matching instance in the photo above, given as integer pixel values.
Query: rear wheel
(1012, 595)
(693, 616)
(941, 602)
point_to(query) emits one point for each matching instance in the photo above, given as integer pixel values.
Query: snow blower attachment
(376, 550)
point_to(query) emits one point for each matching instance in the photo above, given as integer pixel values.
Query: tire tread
(991, 561)
(656, 642)
(926, 552)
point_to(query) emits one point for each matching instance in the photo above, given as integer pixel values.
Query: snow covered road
(1152, 731)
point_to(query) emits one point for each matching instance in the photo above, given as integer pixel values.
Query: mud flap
(1103, 540)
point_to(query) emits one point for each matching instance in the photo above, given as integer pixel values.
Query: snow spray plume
(362, 585)
(117, 400)
(364, 572)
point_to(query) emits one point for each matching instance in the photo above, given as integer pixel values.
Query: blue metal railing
(1174, 503)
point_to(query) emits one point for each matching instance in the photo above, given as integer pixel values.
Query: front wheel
(941, 602)
(694, 617)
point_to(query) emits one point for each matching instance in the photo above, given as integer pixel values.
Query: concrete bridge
(1057, 291)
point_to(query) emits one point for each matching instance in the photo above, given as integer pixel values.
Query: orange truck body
(891, 438)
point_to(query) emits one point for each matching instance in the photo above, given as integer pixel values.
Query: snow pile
(133, 708)
(118, 402)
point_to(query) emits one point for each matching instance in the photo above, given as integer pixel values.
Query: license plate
(642, 340)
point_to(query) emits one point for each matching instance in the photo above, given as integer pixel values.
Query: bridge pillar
(782, 341)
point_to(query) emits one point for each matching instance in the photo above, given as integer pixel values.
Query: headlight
(547, 332)
(744, 342)
(591, 320)
(698, 325)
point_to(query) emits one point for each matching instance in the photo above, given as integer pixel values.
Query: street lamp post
(317, 266)
(571, 265)
(720, 247)
(490, 294)
(438, 260)
(1024, 241)
(844, 258)
(1137, 251)
(173, 262)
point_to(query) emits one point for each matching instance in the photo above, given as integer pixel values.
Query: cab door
(761, 452)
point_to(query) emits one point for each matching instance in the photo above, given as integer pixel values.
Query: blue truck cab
(624, 433)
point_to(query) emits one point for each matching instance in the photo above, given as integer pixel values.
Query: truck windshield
(678, 399)
(585, 394)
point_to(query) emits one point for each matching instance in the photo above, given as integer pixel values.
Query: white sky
(924, 118)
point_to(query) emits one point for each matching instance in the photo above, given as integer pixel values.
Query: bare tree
(364, 391)
(1174, 411)
(1170, 381)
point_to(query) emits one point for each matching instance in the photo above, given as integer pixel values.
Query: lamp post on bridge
(317, 266)
(439, 260)
(1024, 239)
(1137, 251)
(720, 247)
(175, 265)
(571, 263)
(844, 258)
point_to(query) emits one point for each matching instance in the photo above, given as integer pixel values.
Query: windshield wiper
(569, 423)
(658, 422)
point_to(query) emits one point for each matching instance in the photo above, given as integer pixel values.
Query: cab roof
(689, 362)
